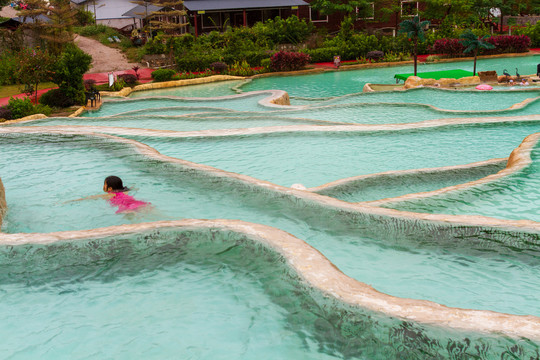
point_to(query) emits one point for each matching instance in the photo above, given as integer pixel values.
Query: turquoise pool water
(337, 83)
(202, 90)
(382, 187)
(255, 307)
(188, 123)
(190, 309)
(326, 113)
(445, 271)
(392, 113)
(166, 106)
(314, 159)
(443, 99)
(513, 197)
(202, 299)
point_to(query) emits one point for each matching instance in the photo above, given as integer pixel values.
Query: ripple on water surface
(514, 197)
(314, 159)
(184, 194)
(154, 304)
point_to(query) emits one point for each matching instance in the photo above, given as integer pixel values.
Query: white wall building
(108, 12)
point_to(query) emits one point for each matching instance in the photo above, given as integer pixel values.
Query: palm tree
(415, 32)
(474, 43)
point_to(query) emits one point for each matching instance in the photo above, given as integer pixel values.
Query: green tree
(474, 43)
(169, 21)
(69, 71)
(57, 29)
(35, 66)
(442, 9)
(327, 7)
(169, 18)
(415, 32)
(508, 7)
(147, 5)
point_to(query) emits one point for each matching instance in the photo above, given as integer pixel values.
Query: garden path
(104, 58)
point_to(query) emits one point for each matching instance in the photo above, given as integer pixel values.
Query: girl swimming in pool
(117, 196)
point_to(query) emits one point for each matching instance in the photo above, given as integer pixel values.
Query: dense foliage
(56, 98)
(163, 75)
(9, 64)
(450, 47)
(288, 61)
(69, 71)
(35, 66)
(284, 31)
(510, 43)
(502, 43)
(129, 79)
(84, 17)
(251, 45)
(532, 31)
(19, 108)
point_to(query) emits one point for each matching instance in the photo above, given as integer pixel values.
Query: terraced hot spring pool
(316, 158)
(177, 191)
(512, 197)
(195, 293)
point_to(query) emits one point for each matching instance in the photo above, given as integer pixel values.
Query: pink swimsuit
(126, 202)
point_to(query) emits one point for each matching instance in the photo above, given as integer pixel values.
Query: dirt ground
(104, 58)
(7, 11)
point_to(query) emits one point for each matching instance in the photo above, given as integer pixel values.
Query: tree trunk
(474, 68)
(415, 54)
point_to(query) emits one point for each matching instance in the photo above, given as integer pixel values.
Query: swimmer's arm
(92, 197)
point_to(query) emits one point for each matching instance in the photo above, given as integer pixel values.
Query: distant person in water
(524, 82)
(117, 196)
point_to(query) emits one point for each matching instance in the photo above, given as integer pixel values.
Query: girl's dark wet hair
(115, 183)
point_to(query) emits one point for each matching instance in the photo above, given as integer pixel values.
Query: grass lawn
(11, 90)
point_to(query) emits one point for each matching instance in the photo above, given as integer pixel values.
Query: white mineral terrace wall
(3, 204)
(318, 271)
(518, 159)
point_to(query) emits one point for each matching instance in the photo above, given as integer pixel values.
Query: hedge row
(503, 44)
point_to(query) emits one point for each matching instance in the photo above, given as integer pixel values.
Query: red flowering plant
(289, 61)
(450, 47)
(510, 43)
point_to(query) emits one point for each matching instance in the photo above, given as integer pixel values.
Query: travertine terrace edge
(303, 258)
(518, 159)
(320, 274)
(3, 203)
(398, 173)
(461, 220)
(287, 128)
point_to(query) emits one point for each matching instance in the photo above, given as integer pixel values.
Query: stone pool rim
(520, 158)
(328, 279)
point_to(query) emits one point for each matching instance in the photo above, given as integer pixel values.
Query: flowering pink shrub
(450, 47)
(503, 44)
(510, 43)
(288, 61)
